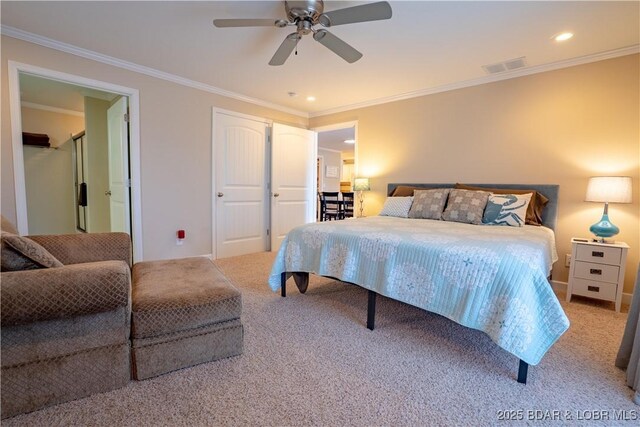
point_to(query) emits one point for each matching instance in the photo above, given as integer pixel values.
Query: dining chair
(321, 206)
(331, 205)
(348, 202)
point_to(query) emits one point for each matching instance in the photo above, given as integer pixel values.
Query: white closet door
(240, 186)
(293, 180)
(118, 131)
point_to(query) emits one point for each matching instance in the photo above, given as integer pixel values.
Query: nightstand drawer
(599, 254)
(596, 272)
(589, 288)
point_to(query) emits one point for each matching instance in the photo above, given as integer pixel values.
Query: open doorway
(83, 174)
(336, 160)
(68, 172)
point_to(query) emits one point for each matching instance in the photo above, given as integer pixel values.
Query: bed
(490, 278)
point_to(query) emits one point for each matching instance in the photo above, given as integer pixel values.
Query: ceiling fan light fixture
(304, 27)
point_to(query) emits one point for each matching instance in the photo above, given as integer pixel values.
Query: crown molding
(51, 109)
(105, 59)
(329, 149)
(600, 56)
(141, 69)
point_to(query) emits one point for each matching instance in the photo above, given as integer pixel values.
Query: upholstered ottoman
(184, 312)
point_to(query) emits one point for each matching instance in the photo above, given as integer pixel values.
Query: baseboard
(559, 286)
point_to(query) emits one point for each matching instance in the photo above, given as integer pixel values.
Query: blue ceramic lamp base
(604, 228)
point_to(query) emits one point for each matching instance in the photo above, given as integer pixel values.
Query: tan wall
(175, 132)
(49, 173)
(97, 173)
(331, 158)
(558, 127)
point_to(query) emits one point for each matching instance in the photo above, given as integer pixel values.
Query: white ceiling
(424, 46)
(334, 139)
(50, 93)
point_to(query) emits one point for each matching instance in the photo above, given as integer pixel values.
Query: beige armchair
(65, 330)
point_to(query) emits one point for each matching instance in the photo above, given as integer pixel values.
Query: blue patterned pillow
(397, 206)
(507, 209)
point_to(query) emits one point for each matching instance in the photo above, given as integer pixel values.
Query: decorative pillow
(507, 209)
(466, 206)
(404, 191)
(429, 204)
(536, 206)
(21, 253)
(6, 225)
(397, 206)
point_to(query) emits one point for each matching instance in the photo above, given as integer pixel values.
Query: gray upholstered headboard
(551, 191)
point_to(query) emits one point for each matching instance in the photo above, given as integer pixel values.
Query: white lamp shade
(361, 184)
(611, 189)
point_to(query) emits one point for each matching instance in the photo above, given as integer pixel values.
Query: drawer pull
(593, 288)
(596, 271)
(598, 254)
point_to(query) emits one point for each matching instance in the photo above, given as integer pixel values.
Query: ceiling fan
(304, 15)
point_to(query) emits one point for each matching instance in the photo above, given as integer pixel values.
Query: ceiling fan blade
(337, 45)
(285, 49)
(362, 13)
(227, 23)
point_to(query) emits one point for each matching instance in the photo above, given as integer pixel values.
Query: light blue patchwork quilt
(490, 278)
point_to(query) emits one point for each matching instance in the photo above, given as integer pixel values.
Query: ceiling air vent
(494, 68)
(511, 64)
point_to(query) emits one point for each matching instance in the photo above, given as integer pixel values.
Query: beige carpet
(309, 360)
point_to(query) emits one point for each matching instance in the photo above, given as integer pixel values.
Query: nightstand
(597, 270)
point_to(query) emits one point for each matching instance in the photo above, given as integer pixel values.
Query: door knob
(220, 194)
(276, 194)
(107, 193)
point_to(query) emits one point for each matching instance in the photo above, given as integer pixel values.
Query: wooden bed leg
(283, 284)
(522, 372)
(371, 310)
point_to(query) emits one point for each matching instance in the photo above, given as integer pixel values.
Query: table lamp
(360, 185)
(607, 189)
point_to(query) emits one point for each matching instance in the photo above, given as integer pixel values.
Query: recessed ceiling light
(311, 98)
(349, 141)
(562, 36)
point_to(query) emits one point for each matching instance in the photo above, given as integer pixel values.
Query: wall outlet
(567, 260)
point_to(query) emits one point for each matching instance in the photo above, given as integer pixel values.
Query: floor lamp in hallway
(361, 185)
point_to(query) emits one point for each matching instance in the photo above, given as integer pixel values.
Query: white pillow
(507, 209)
(397, 206)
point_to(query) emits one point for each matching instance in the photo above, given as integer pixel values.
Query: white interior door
(240, 185)
(293, 180)
(118, 193)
